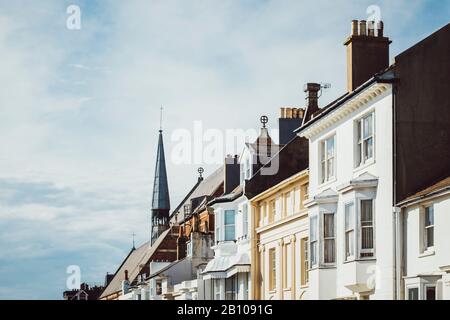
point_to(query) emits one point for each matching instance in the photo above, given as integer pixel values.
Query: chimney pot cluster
(291, 113)
(367, 28)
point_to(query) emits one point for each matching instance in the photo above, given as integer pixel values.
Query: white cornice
(345, 109)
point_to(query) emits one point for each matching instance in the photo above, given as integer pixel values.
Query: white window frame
(359, 224)
(424, 228)
(245, 220)
(217, 231)
(225, 225)
(347, 231)
(412, 287)
(323, 239)
(361, 157)
(314, 242)
(324, 159)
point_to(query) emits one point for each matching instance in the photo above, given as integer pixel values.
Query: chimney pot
(354, 27)
(371, 28)
(301, 113)
(288, 113)
(294, 113)
(282, 113)
(380, 28)
(362, 28)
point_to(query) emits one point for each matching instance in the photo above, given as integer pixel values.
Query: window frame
(347, 255)
(314, 242)
(362, 251)
(323, 239)
(304, 261)
(424, 228)
(233, 225)
(272, 269)
(361, 158)
(324, 159)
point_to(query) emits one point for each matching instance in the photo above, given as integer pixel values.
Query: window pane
(366, 213)
(368, 148)
(328, 222)
(328, 251)
(368, 126)
(349, 216)
(358, 130)
(429, 216)
(313, 228)
(430, 237)
(366, 224)
(323, 173)
(330, 167)
(313, 253)
(330, 147)
(413, 294)
(229, 233)
(349, 244)
(229, 217)
(431, 293)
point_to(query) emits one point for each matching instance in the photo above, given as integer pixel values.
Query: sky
(80, 109)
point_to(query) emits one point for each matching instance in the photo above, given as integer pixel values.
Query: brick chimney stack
(312, 100)
(367, 52)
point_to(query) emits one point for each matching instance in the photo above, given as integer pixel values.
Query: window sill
(360, 260)
(304, 286)
(364, 166)
(429, 252)
(326, 183)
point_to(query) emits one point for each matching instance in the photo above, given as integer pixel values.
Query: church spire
(160, 201)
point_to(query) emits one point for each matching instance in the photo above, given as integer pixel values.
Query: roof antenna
(160, 119)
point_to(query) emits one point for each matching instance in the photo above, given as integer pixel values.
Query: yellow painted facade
(280, 240)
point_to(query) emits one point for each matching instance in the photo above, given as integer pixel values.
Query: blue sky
(80, 109)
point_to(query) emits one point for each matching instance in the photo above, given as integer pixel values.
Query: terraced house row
(357, 208)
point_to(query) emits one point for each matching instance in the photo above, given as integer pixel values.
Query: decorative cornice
(345, 109)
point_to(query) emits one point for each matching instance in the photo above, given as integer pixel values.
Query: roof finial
(200, 172)
(160, 119)
(264, 120)
(134, 247)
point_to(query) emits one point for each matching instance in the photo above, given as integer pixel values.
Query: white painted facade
(427, 265)
(227, 276)
(355, 188)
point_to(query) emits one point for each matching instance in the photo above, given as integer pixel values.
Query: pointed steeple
(161, 200)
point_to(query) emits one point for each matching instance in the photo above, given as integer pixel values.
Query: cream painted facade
(280, 233)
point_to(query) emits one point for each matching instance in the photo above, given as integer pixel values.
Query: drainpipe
(397, 253)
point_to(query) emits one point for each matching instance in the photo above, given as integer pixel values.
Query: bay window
(364, 139)
(327, 159)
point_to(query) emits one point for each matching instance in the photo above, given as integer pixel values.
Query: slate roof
(136, 260)
(160, 200)
(435, 189)
(206, 187)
